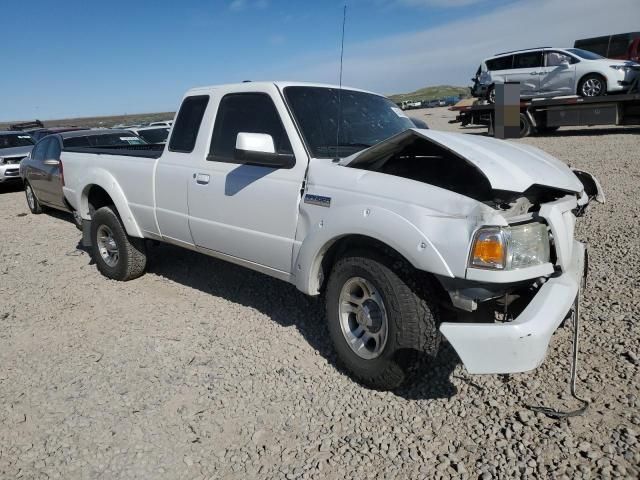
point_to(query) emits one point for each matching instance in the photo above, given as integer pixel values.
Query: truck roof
(280, 84)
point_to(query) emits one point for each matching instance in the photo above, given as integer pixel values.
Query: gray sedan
(43, 173)
(14, 146)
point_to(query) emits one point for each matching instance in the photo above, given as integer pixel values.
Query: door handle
(533, 73)
(201, 178)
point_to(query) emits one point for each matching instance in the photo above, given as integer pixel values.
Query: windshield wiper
(348, 145)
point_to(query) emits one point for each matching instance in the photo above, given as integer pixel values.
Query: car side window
(246, 112)
(53, 149)
(528, 60)
(500, 63)
(40, 150)
(619, 45)
(37, 154)
(185, 130)
(555, 59)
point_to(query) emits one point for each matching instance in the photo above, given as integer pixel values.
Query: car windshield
(104, 140)
(584, 54)
(15, 140)
(364, 118)
(154, 135)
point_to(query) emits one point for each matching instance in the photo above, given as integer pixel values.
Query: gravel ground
(201, 369)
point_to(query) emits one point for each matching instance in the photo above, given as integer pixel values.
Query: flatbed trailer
(546, 115)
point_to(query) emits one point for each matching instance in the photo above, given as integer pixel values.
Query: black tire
(525, 126)
(131, 253)
(32, 200)
(543, 130)
(491, 95)
(413, 337)
(589, 83)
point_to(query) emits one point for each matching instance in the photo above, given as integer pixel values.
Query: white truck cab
(407, 232)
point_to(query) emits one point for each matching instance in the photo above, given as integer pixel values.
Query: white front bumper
(10, 172)
(520, 345)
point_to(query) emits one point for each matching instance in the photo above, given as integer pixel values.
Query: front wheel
(383, 327)
(592, 85)
(32, 201)
(117, 255)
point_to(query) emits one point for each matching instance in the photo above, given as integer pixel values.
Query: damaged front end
(522, 274)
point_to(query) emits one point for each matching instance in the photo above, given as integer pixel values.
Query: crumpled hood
(507, 165)
(15, 151)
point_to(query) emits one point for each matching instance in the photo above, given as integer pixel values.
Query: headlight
(510, 248)
(624, 68)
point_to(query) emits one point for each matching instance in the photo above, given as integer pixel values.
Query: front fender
(106, 181)
(374, 222)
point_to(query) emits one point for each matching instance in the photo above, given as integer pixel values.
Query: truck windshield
(15, 140)
(365, 119)
(584, 54)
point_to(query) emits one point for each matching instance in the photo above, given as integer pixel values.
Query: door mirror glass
(259, 149)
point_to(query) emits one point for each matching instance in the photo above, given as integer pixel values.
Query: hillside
(431, 93)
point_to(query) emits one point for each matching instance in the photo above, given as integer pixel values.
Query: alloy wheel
(107, 246)
(592, 87)
(363, 318)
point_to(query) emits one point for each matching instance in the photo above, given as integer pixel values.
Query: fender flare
(377, 223)
(103, 179)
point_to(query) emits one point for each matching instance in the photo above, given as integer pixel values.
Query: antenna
(344, 21)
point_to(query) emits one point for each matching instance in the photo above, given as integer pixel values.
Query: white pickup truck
(411, 234)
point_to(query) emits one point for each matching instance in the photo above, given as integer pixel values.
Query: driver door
(558, 75)
(245, 211)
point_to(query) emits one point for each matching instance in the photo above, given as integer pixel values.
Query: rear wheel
(592, 85)
(32, 201)
(117, 255)
(545, 130)
(383, 327)
(525, 125)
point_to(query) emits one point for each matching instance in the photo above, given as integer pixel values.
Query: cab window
(246, 112)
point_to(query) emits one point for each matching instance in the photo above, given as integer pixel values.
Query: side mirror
(259, 149)
(564, 63)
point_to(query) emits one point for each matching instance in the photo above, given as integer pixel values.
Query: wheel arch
(98, 196)
(395, 236)
(580, 80)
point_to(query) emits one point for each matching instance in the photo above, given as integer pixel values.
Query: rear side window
(501, 63)
(619, 46)
(53, 150)
(185, 130)
(37, 154)
(598, 45)
(246, 112)
(528, 60)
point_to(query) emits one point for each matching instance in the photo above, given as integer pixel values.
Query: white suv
(550, 72)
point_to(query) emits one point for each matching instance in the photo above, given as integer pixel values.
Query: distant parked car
(163, 123)
(40, 133)
(622, 46)
(431, 104)
(14, 146)
(550, 72)
(152, 134)
(43, 173)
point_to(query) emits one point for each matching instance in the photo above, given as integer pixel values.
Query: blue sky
(82, 58)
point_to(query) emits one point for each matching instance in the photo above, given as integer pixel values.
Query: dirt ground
(201, 369)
